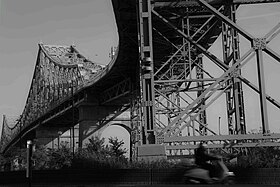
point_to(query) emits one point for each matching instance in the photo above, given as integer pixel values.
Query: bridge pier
(94, 118)
(87, 129)
(52, 136)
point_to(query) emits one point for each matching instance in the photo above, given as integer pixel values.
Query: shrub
(59, 158)
(260, 157)
(40, 158)
(97, 155)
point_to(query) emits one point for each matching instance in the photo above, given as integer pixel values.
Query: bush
(59, 158)
(15, 159)
(97, 155)
(259, 157)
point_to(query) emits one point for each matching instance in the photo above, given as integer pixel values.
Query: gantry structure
(158, 73)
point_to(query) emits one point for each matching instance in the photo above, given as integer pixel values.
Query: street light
(73, 123)
(29, 165)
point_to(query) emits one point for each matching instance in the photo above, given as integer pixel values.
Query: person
(202, 158)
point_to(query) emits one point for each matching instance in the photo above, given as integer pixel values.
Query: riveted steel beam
(226, 20)
(176, 4)
(115, 92)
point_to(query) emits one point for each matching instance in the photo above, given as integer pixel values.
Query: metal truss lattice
(182, 34)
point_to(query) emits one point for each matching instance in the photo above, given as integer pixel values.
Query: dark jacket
(201, 156)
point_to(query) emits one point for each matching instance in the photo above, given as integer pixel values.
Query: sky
(90, 26)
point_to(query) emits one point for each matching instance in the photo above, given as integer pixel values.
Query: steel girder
(170, 3)
(179, 39)
(231, 141)
(117, 91)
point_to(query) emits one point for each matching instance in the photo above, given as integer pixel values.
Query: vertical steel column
(226, 56)
(147, 74)
(200, 85)
(135, 116)
(189, 47)
(259, 44)
(237, 85)
(234, 96)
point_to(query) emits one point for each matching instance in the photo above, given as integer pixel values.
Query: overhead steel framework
(176, 88)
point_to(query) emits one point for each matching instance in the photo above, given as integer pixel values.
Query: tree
(3, 162)
(40, 158)
(16, 158)
(59, 158)
(116, 149)
(96, 145)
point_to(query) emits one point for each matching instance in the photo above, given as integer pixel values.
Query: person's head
(203, 144)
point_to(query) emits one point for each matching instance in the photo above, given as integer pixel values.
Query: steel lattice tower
(176, 88)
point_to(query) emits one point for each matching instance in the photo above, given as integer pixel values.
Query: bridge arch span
(120, 131)
(123, 125)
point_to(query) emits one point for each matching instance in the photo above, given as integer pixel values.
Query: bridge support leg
(147, 70)
(88, 122)
(87, 129)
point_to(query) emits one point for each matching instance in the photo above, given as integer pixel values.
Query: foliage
(40, 158)
(116, 151)
(16, 159)
(96, 146)
(2, 160)
(59, 158)
(260, 157)
(98, 155)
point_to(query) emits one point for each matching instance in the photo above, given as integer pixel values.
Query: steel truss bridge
(158, 74)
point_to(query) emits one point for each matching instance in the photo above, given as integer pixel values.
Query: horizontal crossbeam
(222, 137)
(174, 4)
(219, 146)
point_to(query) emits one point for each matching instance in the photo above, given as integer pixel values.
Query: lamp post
(73, 121)
(29, 162)
(72, 129)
